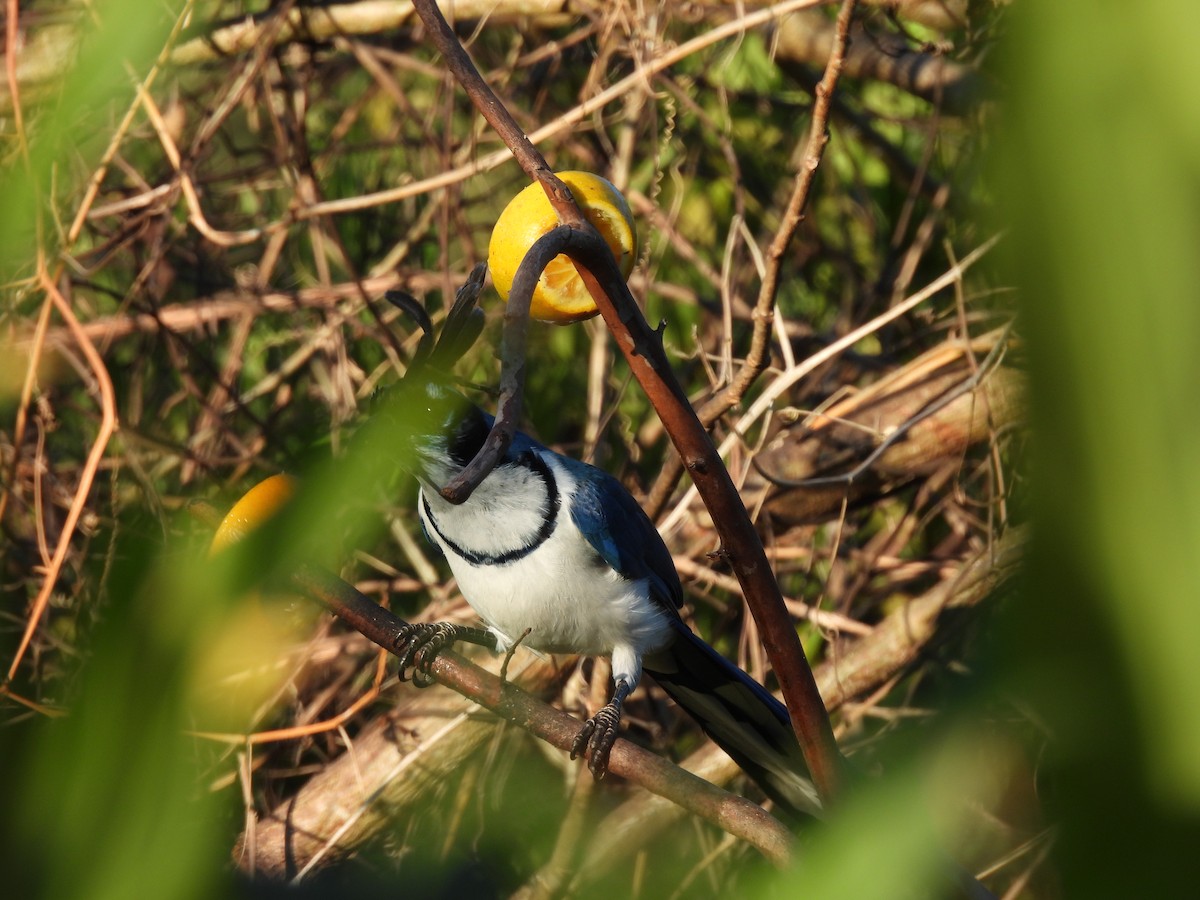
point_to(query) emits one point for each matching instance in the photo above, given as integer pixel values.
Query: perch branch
(733, 814)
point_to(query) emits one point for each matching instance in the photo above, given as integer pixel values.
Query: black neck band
(536, 465)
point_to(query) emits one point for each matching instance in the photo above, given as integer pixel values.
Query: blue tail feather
(739, 714)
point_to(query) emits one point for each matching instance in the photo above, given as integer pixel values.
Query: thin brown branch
(740, 543)
(108, 424)
(496, 114)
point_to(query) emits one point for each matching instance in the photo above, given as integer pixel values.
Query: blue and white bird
(558, 551)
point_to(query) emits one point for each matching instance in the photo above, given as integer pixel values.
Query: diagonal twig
(108, 425)
(786, 380)
(966, 386)
(794, 214)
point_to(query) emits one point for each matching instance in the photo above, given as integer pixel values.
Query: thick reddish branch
(496, 113)
(648, 361)
(740, 542)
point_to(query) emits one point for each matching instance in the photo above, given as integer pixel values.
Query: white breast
(563, 591)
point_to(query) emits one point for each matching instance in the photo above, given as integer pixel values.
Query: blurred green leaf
(1101, 151)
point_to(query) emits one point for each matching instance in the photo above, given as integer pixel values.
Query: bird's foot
(417, 646)
(599, 733)
(597, 737)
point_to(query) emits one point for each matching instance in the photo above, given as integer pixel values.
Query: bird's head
(445, 430)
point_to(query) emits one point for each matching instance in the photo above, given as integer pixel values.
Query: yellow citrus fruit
(256, 506)
(560, 296)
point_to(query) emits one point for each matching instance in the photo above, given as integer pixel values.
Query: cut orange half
(560, 296)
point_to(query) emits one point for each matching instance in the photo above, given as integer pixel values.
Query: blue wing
(622, 533)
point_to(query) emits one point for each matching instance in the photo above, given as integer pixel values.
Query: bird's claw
(597, 737)
(417, 646)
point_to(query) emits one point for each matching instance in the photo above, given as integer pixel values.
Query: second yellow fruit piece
(256, 506)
